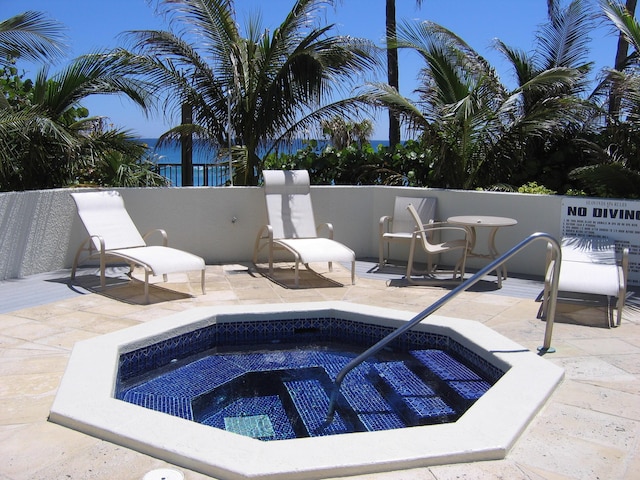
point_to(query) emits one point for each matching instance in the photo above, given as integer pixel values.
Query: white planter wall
(40, 231)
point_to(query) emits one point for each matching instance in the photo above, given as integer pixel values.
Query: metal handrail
(545, 348)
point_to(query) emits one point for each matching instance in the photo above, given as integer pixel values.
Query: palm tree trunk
(621, 57)
(392, 68)
(186, 143)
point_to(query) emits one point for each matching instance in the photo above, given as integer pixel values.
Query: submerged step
(312, 404)
(464, 381)
(420, 403)
(176, 406)
(369, 405)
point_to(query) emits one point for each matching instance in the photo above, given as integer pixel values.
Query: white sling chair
(112, 233)
(423, 236)
(589, 265)
(292, 224)
(399, 227)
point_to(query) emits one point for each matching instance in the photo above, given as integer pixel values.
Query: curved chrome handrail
(551, 312)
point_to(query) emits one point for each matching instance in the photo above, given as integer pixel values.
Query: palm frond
(564, 40)
(32, 36)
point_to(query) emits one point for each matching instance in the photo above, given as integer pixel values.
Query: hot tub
(88, 401)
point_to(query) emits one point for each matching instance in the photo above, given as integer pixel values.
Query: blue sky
(96, 24)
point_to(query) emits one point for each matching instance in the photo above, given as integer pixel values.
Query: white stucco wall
(40, 231)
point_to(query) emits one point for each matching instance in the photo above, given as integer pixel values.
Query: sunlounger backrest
(289, 208)
(104, 214)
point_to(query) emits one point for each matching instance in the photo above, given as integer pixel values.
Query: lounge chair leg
(202, 282)
(146, 286)
(103, 266)
(353, 272)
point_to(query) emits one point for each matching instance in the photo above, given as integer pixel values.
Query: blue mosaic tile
(427, 408)
(270, 406)
(178, 407)
(464, 381)
(312, 404)
(371, 408)
(444, 365)
(421, 403)
(470, 390)
(488, 370)
(173, 391)
(193, 379)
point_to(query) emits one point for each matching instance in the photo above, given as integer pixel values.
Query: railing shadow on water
(551, 312)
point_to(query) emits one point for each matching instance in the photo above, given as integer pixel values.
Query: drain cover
(164, 474)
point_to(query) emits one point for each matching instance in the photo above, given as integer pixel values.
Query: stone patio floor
(589, 429)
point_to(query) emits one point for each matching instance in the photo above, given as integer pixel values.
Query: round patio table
(471, 222)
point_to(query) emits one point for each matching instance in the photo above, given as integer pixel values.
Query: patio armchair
(589, 265)
(399, 227)
(423, 236)
(291, 224)
(112, 233)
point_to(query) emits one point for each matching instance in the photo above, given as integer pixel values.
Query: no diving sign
(618, 220)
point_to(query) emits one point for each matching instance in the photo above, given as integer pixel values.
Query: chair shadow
(284, 276)
(126, 289)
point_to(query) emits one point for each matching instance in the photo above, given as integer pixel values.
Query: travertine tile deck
(590, 429)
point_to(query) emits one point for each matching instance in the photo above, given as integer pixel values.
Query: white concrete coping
(487, 430)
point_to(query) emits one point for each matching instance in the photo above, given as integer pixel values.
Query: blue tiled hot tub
(272, 379)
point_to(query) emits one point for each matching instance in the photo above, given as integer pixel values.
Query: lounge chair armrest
(384, 224)
(328, 227)
(432, 227)
(624, 264)
(162, 232)
(265, 233)
(100, 241)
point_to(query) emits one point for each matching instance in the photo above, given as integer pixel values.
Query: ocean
(208, 170)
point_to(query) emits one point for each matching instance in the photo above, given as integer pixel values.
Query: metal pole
(545, 348)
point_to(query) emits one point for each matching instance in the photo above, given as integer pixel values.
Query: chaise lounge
(292, 224)
(112, 233)
(589, 265)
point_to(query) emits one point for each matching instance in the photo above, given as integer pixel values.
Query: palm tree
(561, 49)
(477, 131)
(276, 84)
(615, 169)
(46, 137)
(621, 58)
(393, 76)
(50, 137)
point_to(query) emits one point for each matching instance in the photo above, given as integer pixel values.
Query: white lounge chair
(424, 235)
(292, 225)
(399, 227)
(112, 233)
(589, 266)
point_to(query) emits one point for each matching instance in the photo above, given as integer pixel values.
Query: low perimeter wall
(40, 230)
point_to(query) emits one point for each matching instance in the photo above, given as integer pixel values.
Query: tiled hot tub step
(176, 406)
(370, 406)
(420, 404)
(464, 381)
(312, 404)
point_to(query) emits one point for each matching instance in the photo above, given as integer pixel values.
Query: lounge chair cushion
(161, 260)
(589, 278)
(589, 266)
(319, 250)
